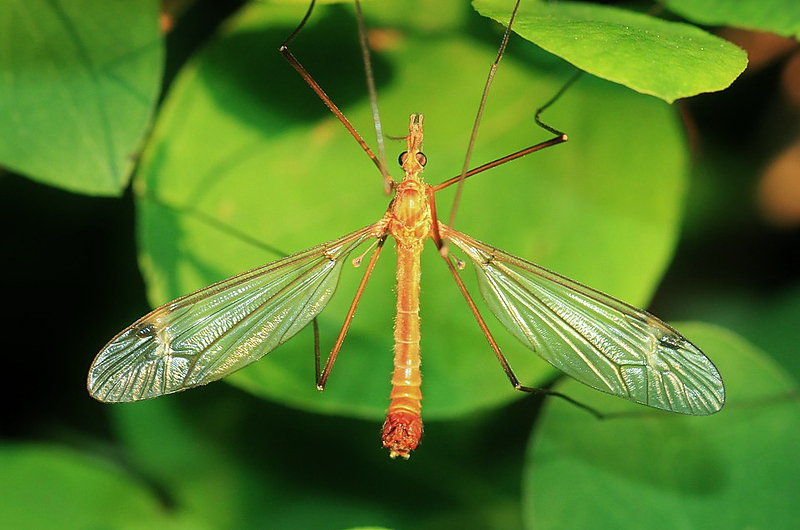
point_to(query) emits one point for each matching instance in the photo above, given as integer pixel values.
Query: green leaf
(237, 463)
(78, 87)
(52, 487)
(242, 140)
(368, 528)
(775, 16)
(177, 450)
(668, 60)
(657, 470)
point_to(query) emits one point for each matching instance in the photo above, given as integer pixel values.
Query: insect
(597, 339)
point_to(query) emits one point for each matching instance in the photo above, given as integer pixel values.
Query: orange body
(409, 221)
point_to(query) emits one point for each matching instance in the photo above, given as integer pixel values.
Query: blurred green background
(690, 209)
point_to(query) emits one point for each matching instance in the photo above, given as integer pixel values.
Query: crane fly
(600, 341)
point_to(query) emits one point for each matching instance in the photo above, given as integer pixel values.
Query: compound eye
(421, 159)
(402, 158)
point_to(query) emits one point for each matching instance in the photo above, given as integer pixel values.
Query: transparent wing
(208, 334)
(595, 338)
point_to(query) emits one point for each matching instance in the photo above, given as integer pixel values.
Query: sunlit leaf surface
(669, 60)
(774, 16)
(79, 84)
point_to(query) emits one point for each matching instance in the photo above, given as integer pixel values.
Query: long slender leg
(435, 234)
(316, 351)
(499, 354)
(559, 138)
(481, 106)
(494, 163)
(284, 50)
(465, 173)
(322, 377)
(388, 182)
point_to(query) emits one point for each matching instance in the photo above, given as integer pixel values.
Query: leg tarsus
(317, 374)
(292, 60)
(547, 392)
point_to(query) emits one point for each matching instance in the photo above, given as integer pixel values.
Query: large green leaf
(236, 462)
(737, 468)
(668, 60)
(775, 16)
(241, 139)
(46, 486)
(78, 87)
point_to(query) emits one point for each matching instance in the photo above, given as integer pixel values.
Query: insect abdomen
(403, 427)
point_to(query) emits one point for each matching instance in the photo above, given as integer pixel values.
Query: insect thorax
(410, 213)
